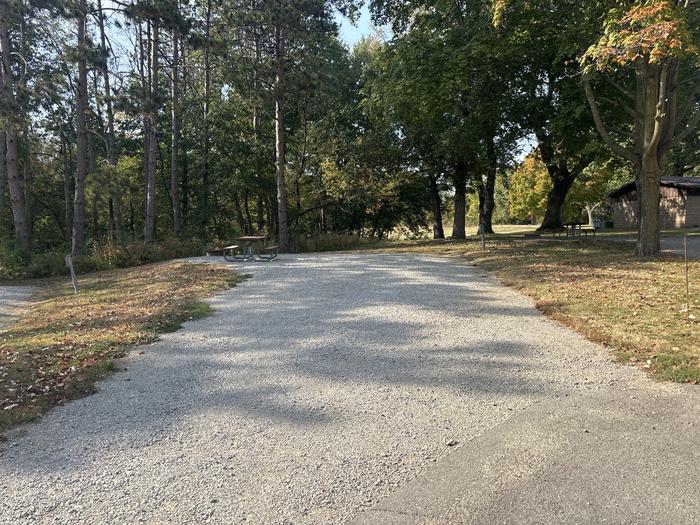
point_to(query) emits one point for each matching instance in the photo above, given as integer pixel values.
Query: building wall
(672, 208)
(677, 209)
(625, 211)
(692, 219)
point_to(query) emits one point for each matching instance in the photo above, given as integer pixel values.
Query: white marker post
(482, 237)
(69, 264)
(687, 280)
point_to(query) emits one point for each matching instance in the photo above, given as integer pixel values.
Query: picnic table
(576, 229)
(249, 249)
(573, 229)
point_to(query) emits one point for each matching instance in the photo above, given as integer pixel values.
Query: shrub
(327, 242)
(11, 262)
(98, 257)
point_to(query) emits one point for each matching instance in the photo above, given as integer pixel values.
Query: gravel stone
(318, 387)
(12, 300)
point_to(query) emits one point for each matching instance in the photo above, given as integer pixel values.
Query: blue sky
(352, 34)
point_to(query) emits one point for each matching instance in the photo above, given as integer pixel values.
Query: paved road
(325, 388)
(671, 244)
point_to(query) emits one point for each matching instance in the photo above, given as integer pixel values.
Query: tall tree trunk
(132, 219)
(282, 231)
(207, 146)
(259, 208)
(487, 188)
(14, 181)
(185, 198)
(17, 197)
(27, 185)
(95, 219)
(648, 173)
(562, 180)
(259, 213)
(114, 189)
(67, 188)
(648, 197)
(149, 232)
(185, 183)
(239, 213)
(3, 182)
(175, 137)
(144, 41)
(438, 232)
(460, 208)
(655, 122)
(81, 166)
(246, 209)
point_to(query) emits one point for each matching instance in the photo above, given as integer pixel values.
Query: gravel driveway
(317, 388)
(12, 300)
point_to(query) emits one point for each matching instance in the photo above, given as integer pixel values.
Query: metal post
(69, 264)
(687, 286)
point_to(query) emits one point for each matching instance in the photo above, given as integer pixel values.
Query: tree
(9, 124)
(451, 91)
(149, 232)
(590, 190)
(652, 47)
(81, 109)
(530, 184)
(112, 158)
(176, 202)
(545, 39)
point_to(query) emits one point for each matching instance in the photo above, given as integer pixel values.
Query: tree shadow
(299, 346)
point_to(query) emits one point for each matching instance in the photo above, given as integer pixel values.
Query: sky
(352, 34)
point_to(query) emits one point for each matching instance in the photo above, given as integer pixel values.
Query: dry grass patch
(65, 342)
(634, 306)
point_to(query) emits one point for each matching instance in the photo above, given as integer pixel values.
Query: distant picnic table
(576, 229)
(250, 249)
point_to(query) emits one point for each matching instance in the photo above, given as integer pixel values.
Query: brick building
(679, 206)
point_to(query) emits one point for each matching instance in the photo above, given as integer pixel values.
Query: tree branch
(600, 126)
(689, 102)
(660, 108)
(632, 113)
(689, 128)
(617, 86)
(624, 132)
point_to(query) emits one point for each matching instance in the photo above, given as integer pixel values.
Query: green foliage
(101, 257)
(501, 214)
(457, 91)
(653, 29)
(12, 261)
(529, 186)
(596, 181)
(328, 242)
(530, 183)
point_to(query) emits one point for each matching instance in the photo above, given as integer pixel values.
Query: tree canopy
(141, 121)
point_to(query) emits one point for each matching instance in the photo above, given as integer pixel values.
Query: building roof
(682, 183)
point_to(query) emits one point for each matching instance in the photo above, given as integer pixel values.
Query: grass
(500, 229)
(65, 342)
(635, 307)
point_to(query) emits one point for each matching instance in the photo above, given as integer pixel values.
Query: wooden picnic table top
(251, 238)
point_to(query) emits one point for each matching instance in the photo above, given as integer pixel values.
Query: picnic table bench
(575, 229)
(250, 249)
(586, 229)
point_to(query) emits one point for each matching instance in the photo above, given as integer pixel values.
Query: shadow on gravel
(350, 324)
